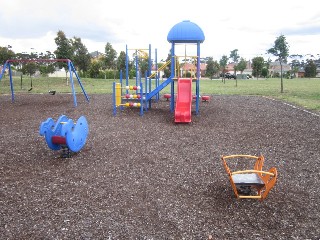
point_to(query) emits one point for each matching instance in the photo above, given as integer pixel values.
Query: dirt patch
(149, 178)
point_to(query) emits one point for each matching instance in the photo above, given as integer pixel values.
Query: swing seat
(52, 92)
(251, 183)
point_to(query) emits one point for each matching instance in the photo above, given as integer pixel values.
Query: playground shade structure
(184, 100)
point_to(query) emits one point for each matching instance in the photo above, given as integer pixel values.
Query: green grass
(303, 92)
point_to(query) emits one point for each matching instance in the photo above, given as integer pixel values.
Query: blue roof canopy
(186, 32)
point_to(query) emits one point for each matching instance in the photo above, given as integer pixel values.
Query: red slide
(184, 100)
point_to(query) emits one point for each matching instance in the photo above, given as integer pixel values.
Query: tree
(235, 58)
(64, 49)
(47, 67)
(94, 69)
(295, 64)
(267, 65)
(29, 68)
(5, 54)
(121, 61)
(212, 68)
(81, 57)
(22, 56)
(295, 70)
(310, 69)
(281, 51)
(167, 69)
(242, 65)
(264, 72)
(223, 63)
(110, 56)
(257, 66)
(144, 65)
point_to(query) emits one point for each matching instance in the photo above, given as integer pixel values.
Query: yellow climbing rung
(241, 196)
(244, 156)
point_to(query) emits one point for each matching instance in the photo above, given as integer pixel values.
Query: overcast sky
(251, 26)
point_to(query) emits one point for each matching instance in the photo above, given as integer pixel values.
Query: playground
(113, 167)
(145, 177)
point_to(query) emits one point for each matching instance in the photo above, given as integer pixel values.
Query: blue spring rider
(65, 134)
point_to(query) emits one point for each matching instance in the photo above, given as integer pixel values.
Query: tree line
(260, 66)
(109, 64)
(106, 65)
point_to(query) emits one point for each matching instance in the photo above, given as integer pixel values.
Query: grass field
(303, 92)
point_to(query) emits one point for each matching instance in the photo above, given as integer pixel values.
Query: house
(230, 68)
(300, 73)
(318, 72)
(192, 68)
(96, 54)
(247, 70)
(275, 68)
(153, 72)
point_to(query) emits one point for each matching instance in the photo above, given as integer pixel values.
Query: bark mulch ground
(149, 178)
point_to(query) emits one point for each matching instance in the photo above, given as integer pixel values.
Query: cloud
(302, 30)
(249, 26)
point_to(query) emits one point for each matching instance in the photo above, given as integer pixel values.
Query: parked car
(229, 75)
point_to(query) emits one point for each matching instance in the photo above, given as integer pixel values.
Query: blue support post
(11, 82)
(172, 76)
(127, 66)
(79, 81)
(146, 89)
(137, 70)
(114, 98)
(198, 78)
(5, 66)
(172, 97)
(149, 89)
(121, 83)
(141, 100)
(72, 85)
(157, 75)
(149, 85)
(121, 80)
(157, 85)
(3, 69)
(149, 61)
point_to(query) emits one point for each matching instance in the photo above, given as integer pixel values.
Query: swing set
(71, 68)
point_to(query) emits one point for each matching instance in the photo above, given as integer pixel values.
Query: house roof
(96, 54)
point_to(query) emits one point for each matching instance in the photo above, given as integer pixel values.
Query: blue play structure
(125, 95)
(71, 68)
(65, 134)
(189, 33)
(185, 32)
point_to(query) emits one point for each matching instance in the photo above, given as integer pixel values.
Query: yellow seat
(250, 183)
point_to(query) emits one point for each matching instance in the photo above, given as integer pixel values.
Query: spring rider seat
(251, 183)
(65, 134)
